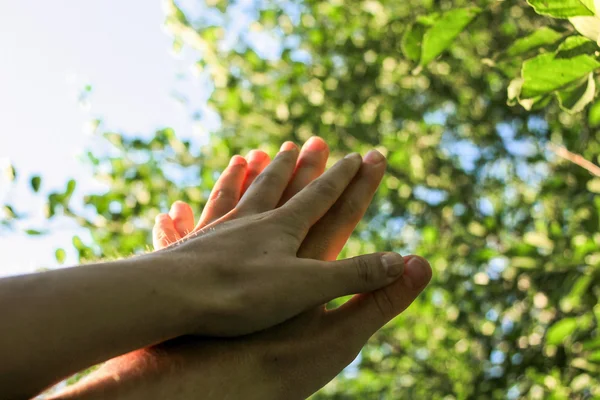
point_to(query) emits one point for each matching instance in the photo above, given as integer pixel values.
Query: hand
(232, 184)
(290, 361)
(241, 273)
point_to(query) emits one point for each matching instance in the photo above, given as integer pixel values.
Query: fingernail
(352, 155)
(288, 146)
(393, 264)
(374, 157)
(417, 273)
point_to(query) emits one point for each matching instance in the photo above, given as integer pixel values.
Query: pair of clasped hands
(251, 279)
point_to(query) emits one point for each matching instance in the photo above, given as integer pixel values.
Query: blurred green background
(480, 186)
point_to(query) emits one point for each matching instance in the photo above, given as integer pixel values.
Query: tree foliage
(510, 228)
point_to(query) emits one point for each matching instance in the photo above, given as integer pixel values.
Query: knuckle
(326, 188)
(267, 178)
(350, 207)
(291, 233)
(291, 223)
(364, 272)
(384, 303)
(224, 195)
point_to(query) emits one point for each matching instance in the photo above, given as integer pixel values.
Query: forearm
(180, 369)
(59, 322)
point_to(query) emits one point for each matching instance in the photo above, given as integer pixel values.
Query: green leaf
(580, 286)
(575, 46)
(544, 74)
(35, 183)
(594, 115)
(412, 40)
(558, 332)
(429, 19)
(592, 343)
(71, 184)
(60, 255)
(594, 357)
(575, 99)
(541, 37)
(33, 232)
(443, 32)
(593, 5)
(589, 4)
(78, 243)
(560, 8)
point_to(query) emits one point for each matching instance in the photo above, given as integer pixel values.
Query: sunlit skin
(289, 361)
(237, 275)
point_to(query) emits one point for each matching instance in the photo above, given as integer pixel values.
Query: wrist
(169, 294)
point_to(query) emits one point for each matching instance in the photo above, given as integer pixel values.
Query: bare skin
(291, 360)
(237, 275)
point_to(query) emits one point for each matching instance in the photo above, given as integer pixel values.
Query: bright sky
(48, 52)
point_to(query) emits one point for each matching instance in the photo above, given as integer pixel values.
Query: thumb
(364, 314)
(361, 274)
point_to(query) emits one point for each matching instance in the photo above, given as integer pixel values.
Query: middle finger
(311, 164)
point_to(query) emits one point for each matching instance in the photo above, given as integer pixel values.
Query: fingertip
(288, 146)
(162, 218)
(315, 143)
(257, 156)
(237, 160)
(181, 211)
(182, 217)
(417, 272)
(351, 162)
(353, 157)
(374, 157)
(178, 206)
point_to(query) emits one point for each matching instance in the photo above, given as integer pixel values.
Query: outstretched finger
(226, 192)
(328, 236)
(310, 165)
(257, 162)
(183, 217)
(266, 190)
(308, 206)
(164, 232)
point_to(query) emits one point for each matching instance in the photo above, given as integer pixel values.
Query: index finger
(310, 204)
(327, 237)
